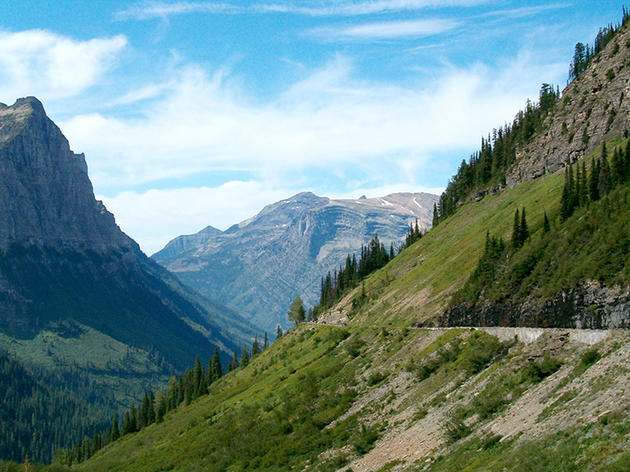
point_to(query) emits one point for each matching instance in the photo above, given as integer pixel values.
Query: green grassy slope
(323, 398)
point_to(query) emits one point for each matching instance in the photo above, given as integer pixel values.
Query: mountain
(259, 266)
(369, 389)
(76, 293)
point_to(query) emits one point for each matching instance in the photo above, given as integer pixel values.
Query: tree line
(584, 53)
(335, 285)
(489, 165)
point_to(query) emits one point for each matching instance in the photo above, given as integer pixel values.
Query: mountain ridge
(306, 234)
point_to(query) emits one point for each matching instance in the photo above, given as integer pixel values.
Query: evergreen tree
(604, 177)
(435, 216)
(235, 362)
(197, 375)
(584, 188)
(593, 186)
(266, 343)
(115, 430)
(244, 357)
(255, 347)
(217, 370)
(546, 225)
(524, 230)
(516, 231)
(278, 332)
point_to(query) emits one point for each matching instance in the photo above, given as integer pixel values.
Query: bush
(375, 378)
(590, 357)
(364, 439)
(456, 429)
(537, 371)
(479, 351)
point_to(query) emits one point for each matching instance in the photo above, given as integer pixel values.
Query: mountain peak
(46, 196)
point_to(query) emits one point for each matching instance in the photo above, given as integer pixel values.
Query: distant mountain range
(258, 266)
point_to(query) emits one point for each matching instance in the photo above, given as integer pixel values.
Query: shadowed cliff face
(62, 256)
(45, 194)
(261, 264)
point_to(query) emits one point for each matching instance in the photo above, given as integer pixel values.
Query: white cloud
(150, 10)
(387, 30)
(51, 66)
(155, 217)
(203, 123)
(162, 10)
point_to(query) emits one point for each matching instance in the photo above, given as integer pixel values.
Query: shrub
(456, 429)
(364, 439)
(537, 371)
(590, 357)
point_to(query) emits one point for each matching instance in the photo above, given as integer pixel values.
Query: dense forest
(42, 411)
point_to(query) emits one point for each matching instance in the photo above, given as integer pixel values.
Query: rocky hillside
(258, 266)
(77, 296)
(594, 107)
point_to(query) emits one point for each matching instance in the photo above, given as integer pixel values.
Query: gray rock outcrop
(594, 107)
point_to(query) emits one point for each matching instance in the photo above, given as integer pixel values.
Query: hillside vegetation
(380, 395)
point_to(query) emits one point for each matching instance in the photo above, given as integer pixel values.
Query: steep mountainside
(77, 293)
(380, 395)
(594, 107)
(258, 266)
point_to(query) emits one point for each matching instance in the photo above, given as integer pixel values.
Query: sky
(196, 113)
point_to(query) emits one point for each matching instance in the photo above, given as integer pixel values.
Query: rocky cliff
(46, 196)
(62, 256)
(261, 264)
(594, 107)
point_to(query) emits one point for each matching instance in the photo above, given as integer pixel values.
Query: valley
(491, 335)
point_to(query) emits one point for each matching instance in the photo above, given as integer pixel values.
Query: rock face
(62, 256)
(588, 305)
(46, 196)
(258, 266)
(593, 108)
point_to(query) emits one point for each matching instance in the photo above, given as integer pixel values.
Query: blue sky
(194, 113)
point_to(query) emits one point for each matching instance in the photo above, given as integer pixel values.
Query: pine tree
(516, 231)
(217, 370)
(546, 225)
(435, 216)
(266, 343)
(604, 177)
(255, 347)
(584, 188)
(127, 424)
(593, 185)
(278, 332)
(568, 200)
(244, 357)
(197, 374)
(524, 230)
(115, 430)
(152, 413)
